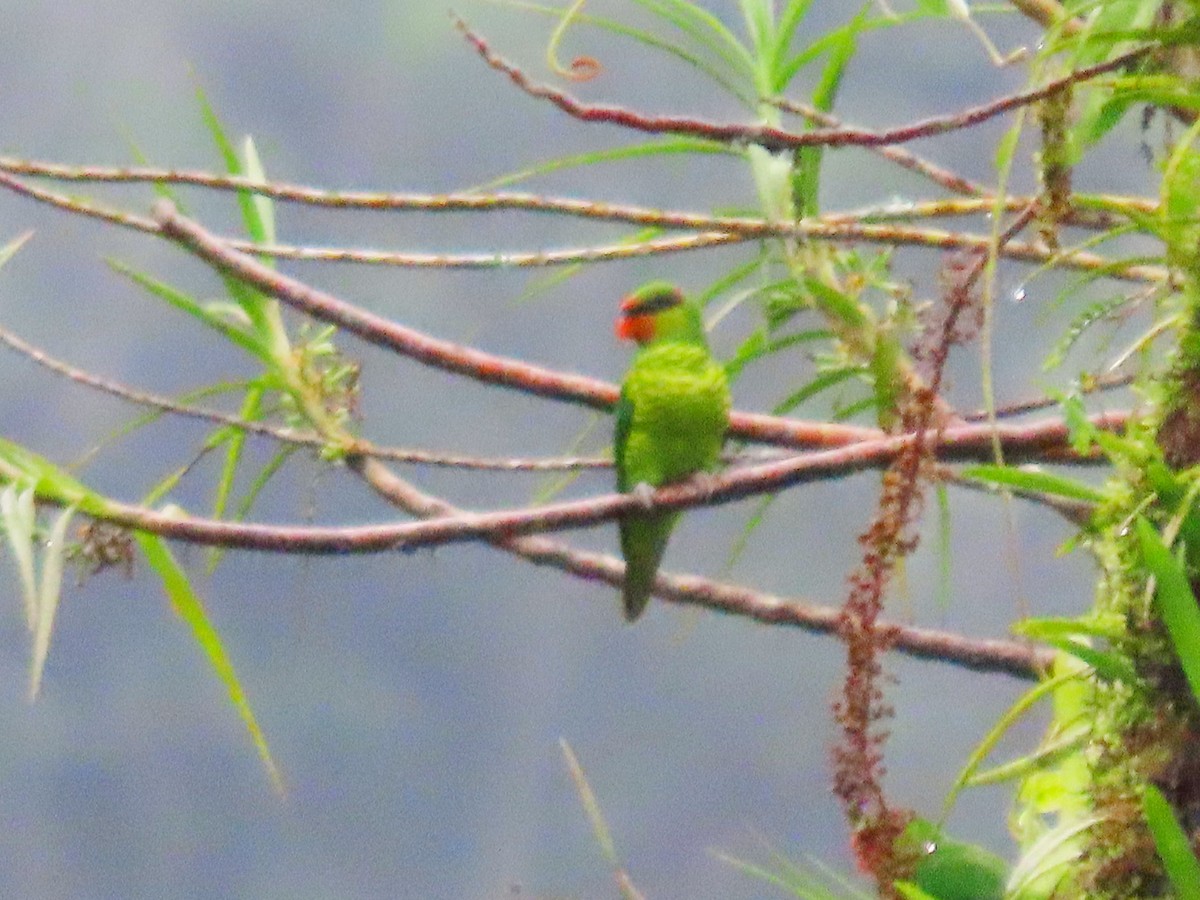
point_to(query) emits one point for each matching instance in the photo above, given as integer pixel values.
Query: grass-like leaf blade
(1173, 844)
(187, 604)
(1034, 480)
(1175, 600)
(183, 302)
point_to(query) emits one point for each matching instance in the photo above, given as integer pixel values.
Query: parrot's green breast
(679, 405)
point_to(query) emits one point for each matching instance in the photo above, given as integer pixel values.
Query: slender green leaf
(168, 483)
(263, 220)
(1011, 716)
(48, 595)
(252, 301)
(19, 516)
(1050, 754)
(261, 480)
(1099, 311)
(1106, 627)
(1029, 479)
(834, 303)
(742, 541)
(759, 346)
(841, 51)
(1176, 602)
(657, 147)
(255, 226)
(1173, 844)
(810, 881)
(822, 382)
(1109, 664)
(759, 25)
(9, 250)
(248, 341)
(1096, 113)
(189, 607)
(235, 443)
(1048, 862)
(806, 179)
(705, 29)
(564, 274)
(850, 410)
(785, 31)
(786, 73)
(591, 806)
(730, 279)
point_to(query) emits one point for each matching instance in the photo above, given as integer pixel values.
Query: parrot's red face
(638, 320)
(635, 327)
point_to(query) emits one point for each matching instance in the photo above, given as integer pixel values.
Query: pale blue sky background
(415, 702)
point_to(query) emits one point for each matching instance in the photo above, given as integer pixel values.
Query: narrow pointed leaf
(1173, 845)
(261, 225)
(706, 29)
(1034, 480)
(235, 443)
(9, 250)
(187, 604)
(181, 301)
(17, 511)
(1175, 600)
(667, 147)
(273, 466)
(49, 592)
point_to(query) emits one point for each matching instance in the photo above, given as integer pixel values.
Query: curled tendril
(581, 68)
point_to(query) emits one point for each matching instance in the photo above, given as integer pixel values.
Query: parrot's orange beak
(633, 326)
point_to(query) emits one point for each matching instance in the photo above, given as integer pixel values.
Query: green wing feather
(643, 538)
(624, 421)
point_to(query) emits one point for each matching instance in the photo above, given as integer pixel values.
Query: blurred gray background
(415, 702)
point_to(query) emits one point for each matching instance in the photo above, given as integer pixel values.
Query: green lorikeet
(671, 420)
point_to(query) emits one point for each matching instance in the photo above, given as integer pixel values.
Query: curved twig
(777, 138)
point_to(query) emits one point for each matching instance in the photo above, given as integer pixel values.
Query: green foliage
(40, 592)
(1175, 600)
(1173, 844)
(187, 604)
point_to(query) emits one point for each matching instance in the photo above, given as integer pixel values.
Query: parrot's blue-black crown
(648, 302)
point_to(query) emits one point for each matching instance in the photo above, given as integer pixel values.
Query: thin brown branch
(902, 157)
(984, 655)
(462, 360)
(495, 259)
(286, 435)
(835, 227)
(964, 442)
(545, 382)
(537, 203)
(1110, 382)
(776, 138)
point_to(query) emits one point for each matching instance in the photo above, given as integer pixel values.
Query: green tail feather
(643, 542)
